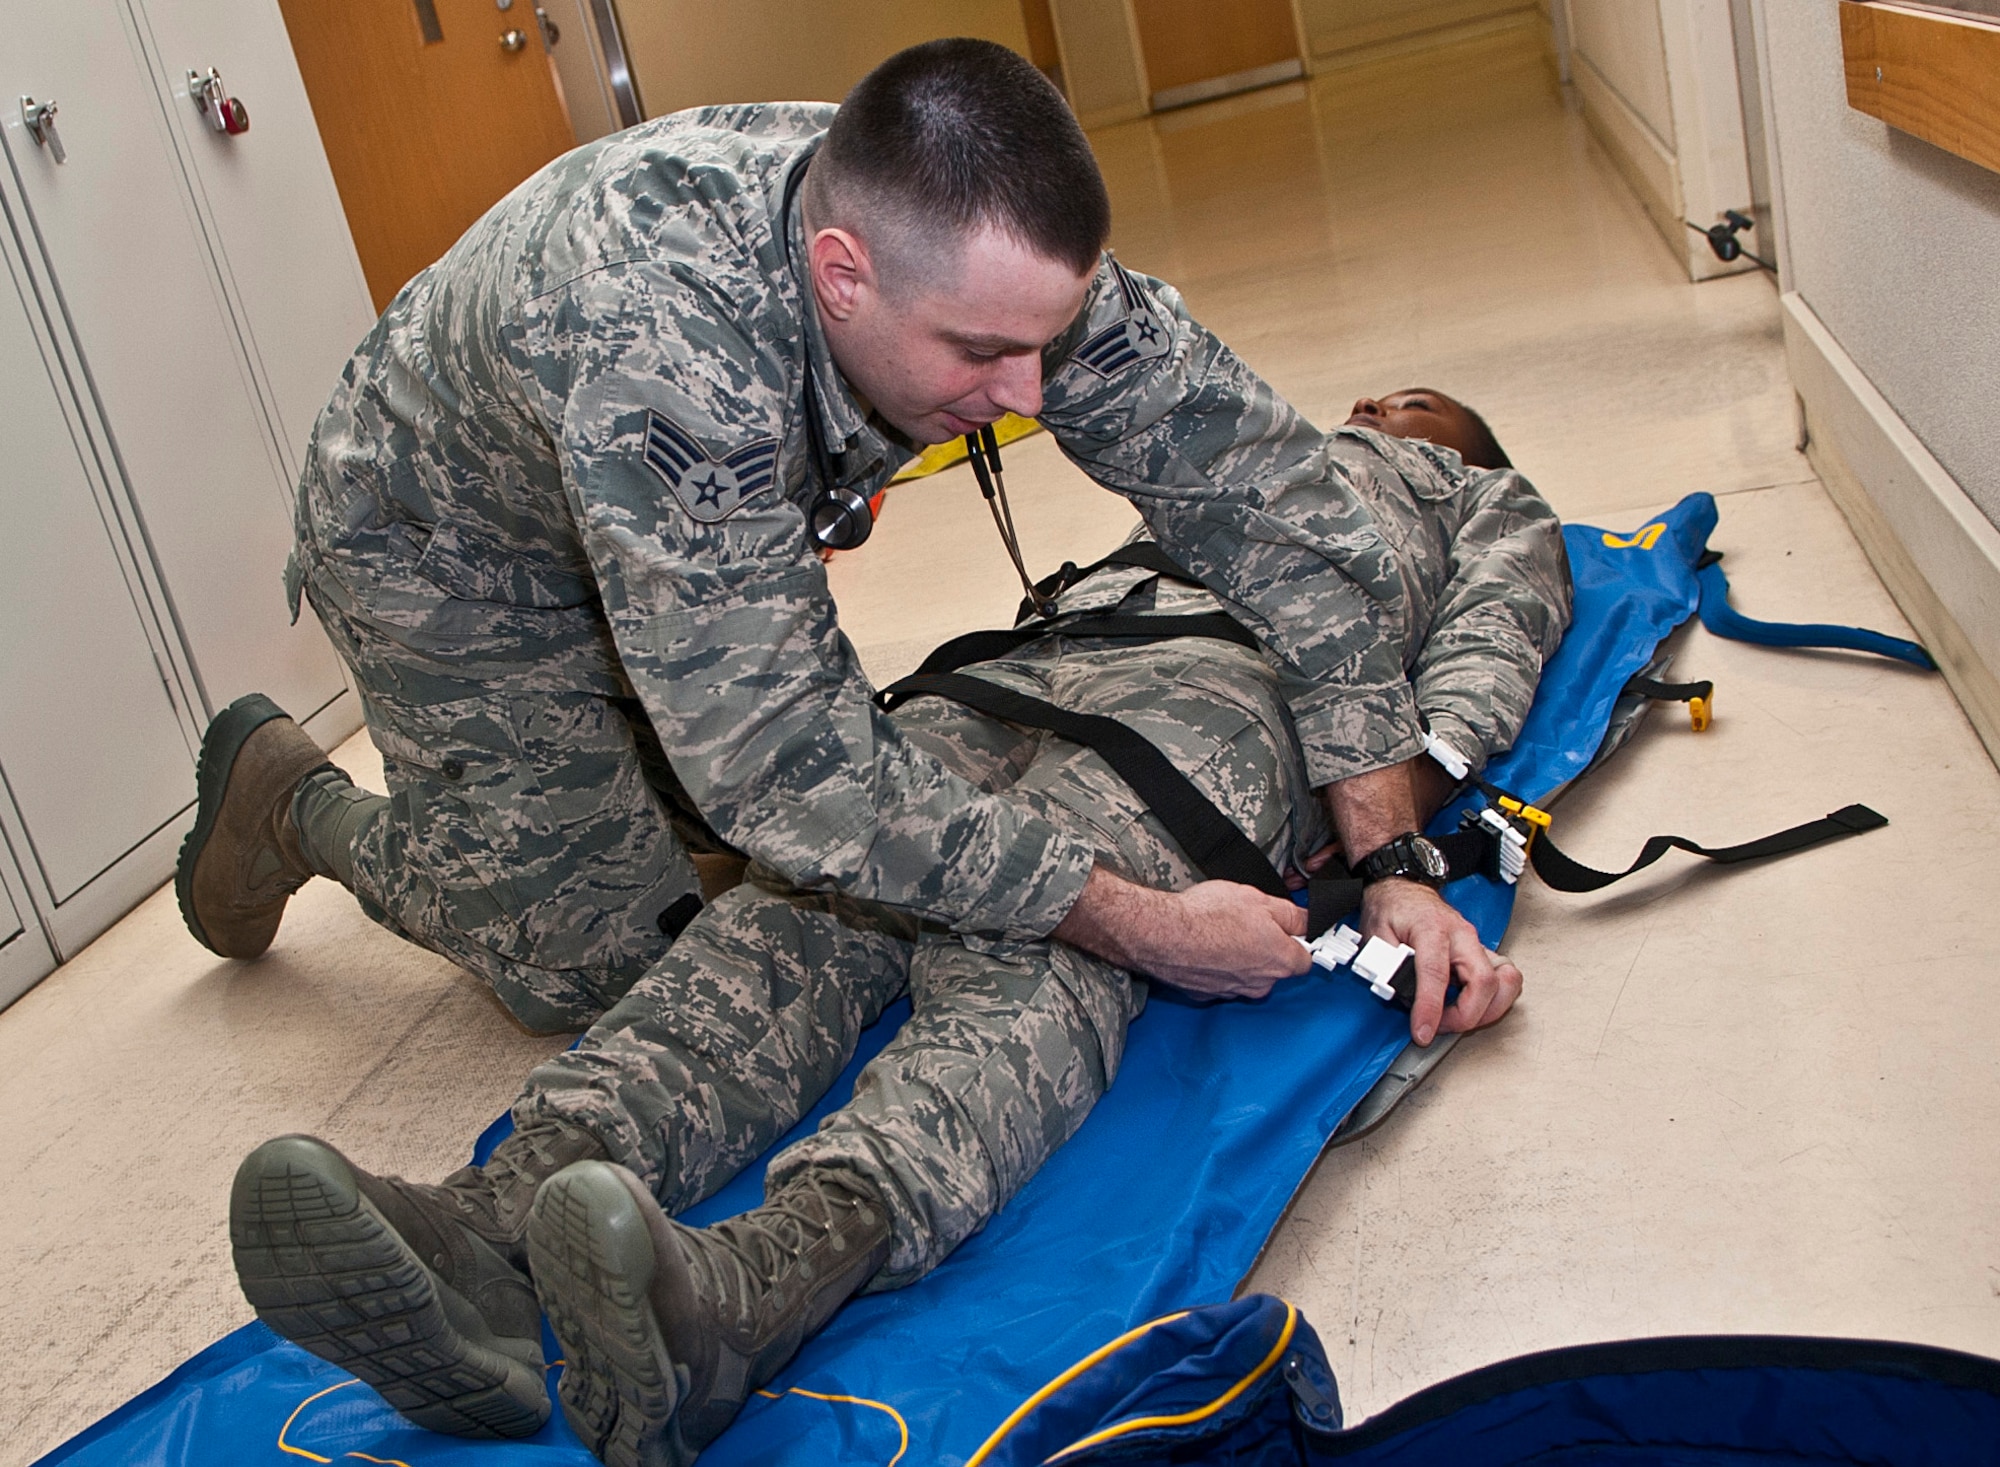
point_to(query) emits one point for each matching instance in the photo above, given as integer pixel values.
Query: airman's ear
(842, 272)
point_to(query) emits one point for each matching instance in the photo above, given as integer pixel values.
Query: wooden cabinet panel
(1934, 76)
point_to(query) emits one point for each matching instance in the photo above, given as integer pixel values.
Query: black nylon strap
(1564, 874)
(1329, 897)
(1647, 687)
(1208, 837)
(986, 646)
(1465, 852)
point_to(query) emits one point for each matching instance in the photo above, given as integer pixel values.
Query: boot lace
(751, 1252)
(497, 1195)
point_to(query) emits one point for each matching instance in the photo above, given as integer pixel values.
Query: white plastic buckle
(1378, 964)
(1375, 962)
(1513, 844)
(1455, 764)
(1331, 949)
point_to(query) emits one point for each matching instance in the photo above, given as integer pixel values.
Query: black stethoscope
(840, 517)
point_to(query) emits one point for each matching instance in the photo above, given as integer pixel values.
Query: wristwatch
(1410, 857)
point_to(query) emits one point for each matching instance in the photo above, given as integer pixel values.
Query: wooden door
(431, 111)
(1197, 49)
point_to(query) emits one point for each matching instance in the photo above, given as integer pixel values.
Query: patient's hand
(1217, 939)
(1447, 947)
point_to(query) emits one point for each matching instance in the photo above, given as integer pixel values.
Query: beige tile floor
(1760, 1101)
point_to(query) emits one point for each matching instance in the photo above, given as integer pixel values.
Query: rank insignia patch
(1141, 335)
(708, 488)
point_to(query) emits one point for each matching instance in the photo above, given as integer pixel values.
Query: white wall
(1892, 328)
(1621, 41)
(1102, 65)
(1895, 245)
(1658, 84)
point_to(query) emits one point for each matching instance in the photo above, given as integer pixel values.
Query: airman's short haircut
(950, 137)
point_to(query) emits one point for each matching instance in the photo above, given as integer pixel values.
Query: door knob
(511, 41)
(40, 120)
(226, 114)
(551, 32)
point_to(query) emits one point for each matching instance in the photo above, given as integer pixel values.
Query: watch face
(1431, 858)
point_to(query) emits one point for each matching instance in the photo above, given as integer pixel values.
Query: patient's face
(1418, 412)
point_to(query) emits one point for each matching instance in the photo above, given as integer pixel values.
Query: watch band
(1409, 857)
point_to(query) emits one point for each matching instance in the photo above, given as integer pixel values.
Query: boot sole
(224, 740)
(322, 1268)
(592, 1262)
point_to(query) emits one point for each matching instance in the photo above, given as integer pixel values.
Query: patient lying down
(432, 1293)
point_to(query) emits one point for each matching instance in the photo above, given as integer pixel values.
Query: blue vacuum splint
(1162, 1200)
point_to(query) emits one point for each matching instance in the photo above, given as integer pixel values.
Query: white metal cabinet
(25, 955)
(127, 247)
(274, 217)
(96, 756)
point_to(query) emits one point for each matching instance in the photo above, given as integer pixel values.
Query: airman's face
(938, 359)
(1418, 412)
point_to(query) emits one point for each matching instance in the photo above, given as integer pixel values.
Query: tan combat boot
(421, 1291)
(666, 1329)
(241, 862)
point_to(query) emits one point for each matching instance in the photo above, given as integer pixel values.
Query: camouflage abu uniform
(554, 520)
(746, 1022)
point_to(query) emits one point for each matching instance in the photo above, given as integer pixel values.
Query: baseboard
(1194, 93)
(1934, 550)
(1363, 44)
(1639, 154)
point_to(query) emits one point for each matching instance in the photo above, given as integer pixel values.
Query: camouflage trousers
(533, 832)
(745, 1023)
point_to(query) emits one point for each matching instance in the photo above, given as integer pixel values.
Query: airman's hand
(1447, 947)
(1218, 939)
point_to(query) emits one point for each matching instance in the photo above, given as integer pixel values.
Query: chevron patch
(708, 488)
(1141, 335)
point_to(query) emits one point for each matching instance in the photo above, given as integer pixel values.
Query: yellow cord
(894, 1415)
(1142, 1423)
(1021, 1411)
(285, 1446)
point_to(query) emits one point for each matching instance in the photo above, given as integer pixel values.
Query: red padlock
(225, 113)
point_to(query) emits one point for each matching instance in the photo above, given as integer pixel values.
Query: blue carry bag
(1246, 1383)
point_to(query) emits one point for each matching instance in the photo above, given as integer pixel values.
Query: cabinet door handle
(511, 41)
(226, 114)
(40, 120)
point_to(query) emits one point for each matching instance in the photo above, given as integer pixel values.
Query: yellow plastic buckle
(1539, 819)
(1701, 711)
